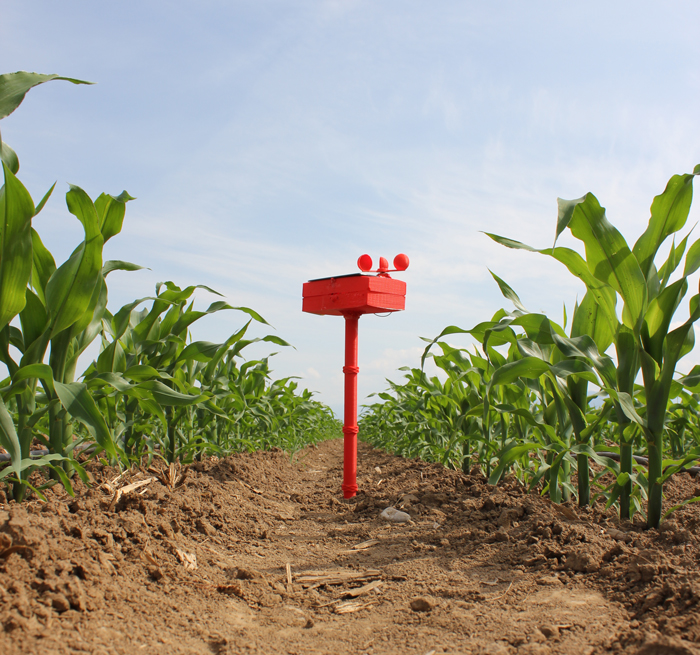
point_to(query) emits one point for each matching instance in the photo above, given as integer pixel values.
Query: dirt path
(202, 568)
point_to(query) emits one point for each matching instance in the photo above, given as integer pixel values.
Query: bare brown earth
(202, 568)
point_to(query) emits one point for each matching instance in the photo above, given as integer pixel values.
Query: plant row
(593, 411)
(152, 390)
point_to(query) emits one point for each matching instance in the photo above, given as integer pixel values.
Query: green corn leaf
(114, 380)
(78, 402)
(253, 314)
(528, 348)
(538, 328)
(677, 343)
(577, 367)
(116, 265)
(604, 294)
(150, 406)
(111, 210)
(271, 338)
(80, 205)
(565, 212)
(613, 495)
(9, 157)
(622, 479)
(508, 292)
(15, 336)
(199, 351)
(89, 325)
(508, 455)
(33, 318)
(692, 379)
(16, 212)
(671, 467)
(627, 406)
(121, 319)
(43, 266)
(32, 463)
(191, 316)
(659, 316)
(71, 288)
(510, 243)
(555, 494)
(14, 86)
(38, 371)
(528, 367)
(141, 372)
(65, 481)
(9, 439)
(675, 256)
(692, 260)
(170, 298)
(496, 359)
(608, 257)
(112, 359)
(589, 319)
(627, 358)
(687, 501)
(669, 212)
(584, 346)
(495, 334)
(166, 396)
(218, 356)
(45, 199)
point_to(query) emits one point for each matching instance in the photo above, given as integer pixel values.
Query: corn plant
(559, 368)
(152, 369)
(56, 306)
(151, 389)
(642, 334)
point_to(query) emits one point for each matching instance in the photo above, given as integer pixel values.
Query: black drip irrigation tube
(693, 470)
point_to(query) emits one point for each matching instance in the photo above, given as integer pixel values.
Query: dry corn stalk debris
(148, 556)
(317, 578)
(121, 491)
(247, 486)
(353, 606)
(363, 546)
(361, 591)
(189, 560)
(114, 483)
(171, 477)
(119, 485)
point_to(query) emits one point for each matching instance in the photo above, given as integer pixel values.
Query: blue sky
(268, 143)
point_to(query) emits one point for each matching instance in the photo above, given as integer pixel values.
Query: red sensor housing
(351, 296)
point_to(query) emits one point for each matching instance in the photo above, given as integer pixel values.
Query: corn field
(586, 411)
(152, 391)
(590, 410)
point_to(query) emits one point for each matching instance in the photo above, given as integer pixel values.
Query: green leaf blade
(16, 212)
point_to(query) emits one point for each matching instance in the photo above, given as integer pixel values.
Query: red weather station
(351, 296)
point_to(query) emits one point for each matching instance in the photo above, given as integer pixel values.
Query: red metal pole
(350, 428)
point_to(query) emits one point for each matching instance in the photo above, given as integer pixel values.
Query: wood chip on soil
(353, 606)
(336, 577)
(360, 591)
(363, 546)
